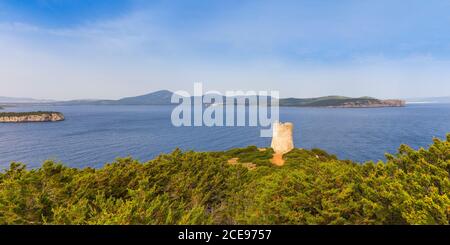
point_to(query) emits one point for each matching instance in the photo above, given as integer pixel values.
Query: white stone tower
(282, 140)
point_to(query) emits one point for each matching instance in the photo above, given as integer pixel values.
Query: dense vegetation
(412, 187)
(30, 113)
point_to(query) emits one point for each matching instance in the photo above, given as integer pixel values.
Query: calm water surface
(94, 135)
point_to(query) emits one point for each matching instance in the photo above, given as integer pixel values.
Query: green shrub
(313, 187)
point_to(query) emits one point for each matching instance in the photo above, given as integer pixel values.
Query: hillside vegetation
(326, 101)
(313, 187)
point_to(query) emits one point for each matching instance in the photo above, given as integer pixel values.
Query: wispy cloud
(303, 50)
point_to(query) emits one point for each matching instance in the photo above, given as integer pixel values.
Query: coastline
(22, 117)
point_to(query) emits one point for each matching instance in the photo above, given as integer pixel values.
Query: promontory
(35, 116)
(341, 102)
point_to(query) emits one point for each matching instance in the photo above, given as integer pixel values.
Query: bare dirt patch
(248, 165)
(277, 159)
(233, 161)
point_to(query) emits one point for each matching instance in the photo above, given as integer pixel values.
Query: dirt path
(277, 159)
(233, 161)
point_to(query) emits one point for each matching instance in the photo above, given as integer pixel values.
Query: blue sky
(72, 49)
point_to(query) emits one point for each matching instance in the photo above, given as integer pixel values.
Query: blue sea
(95, 135)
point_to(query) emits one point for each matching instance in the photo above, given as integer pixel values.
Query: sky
(108, 49)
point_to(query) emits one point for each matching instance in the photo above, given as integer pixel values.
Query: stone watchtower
(282, 140)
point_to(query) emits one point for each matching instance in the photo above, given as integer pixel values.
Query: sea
(93, 135)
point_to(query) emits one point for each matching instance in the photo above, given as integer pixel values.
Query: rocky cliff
(18, 117)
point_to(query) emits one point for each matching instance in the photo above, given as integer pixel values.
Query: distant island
(38, 116)
(424, 100)
(163, 97)
(341, 102)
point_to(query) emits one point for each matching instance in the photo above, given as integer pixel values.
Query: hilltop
(163, 97)
(341, 101)
(312, 187)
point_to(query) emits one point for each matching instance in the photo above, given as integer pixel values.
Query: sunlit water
(94, 135)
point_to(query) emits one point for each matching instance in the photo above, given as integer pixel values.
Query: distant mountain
(161, 97)
(11, 100)
(84, 102)
(321, 101)
(429, 100)
(340, 101)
